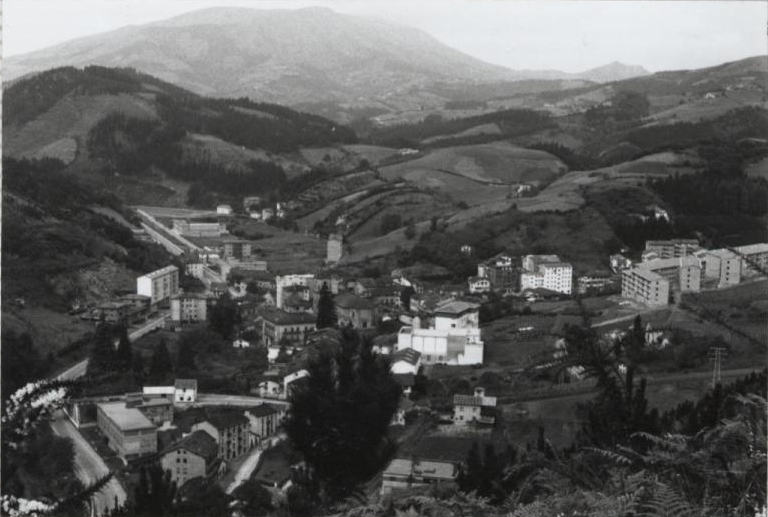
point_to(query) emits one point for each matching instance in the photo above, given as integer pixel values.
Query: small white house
(240, 343)
(406, 360)
(185, 390)
(223, 210)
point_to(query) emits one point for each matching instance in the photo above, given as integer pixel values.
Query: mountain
(611, 72)
(292, 57)
(286, 56)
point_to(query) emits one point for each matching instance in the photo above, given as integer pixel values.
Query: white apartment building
(645, 286)
(548, 272)
(455, 338)
(682, 273)
(672, 248)
(159, 285)
(189, 308)
(281, 282)
(721, 264)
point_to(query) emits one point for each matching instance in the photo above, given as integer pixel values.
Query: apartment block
(159, 285)
(672, 248)
(645, 287)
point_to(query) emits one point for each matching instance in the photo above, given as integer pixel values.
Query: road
(149, 326)
(249, 465)
(89, 466)
(75, 371)
(213, 399)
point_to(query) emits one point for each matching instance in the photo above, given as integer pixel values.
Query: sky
(564, 35)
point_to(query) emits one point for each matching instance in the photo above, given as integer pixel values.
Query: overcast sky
(564, 35)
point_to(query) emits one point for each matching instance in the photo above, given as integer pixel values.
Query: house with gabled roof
(194, 456)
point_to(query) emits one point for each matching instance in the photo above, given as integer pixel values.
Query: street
(89, 466)
(213, 399)
(249, 465)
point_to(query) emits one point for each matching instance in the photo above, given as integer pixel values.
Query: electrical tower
(716, 355)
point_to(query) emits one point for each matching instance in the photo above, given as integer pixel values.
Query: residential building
(189, 308)
(594, 283)
(276, 324)
(408, 473)
(406, 361)
(354, 311)
(185, 390)
(474, 408)
(282, 282)
(335, 248)
(682, 273)
(264, 421)
(547, 272)
(223, 210)
(240, 343)
(754, 259)
(129, 432)
(195, 269)
(237, 250)
(457, 314)
(645, 286)
(115, 312)
(251, 202)
(387, 296)
(159, 285)
(139, 302)
(672, 248)
(194, 456)
(187, 229)
(230, 429)
(478, 284)
(501, 271)
(403, 407)
(721, 264)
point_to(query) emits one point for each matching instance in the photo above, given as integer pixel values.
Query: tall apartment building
(722, 265)
(644, 286)
(672, 248)
(682, 273)
(159, 285)
(189, 308)
(548, 272)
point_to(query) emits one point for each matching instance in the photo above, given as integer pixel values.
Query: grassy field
(497, 162)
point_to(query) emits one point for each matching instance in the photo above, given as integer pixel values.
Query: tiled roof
(198, 442)
(456, 307)
(262, 410)
(281, 317)
(185, 384)
(467, 400)
(226, 419)
(409, 355)
(352, 301)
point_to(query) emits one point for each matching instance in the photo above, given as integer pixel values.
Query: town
(493, 259)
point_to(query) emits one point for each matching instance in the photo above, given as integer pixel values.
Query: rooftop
(281, 317)
(456, 308)
(688, 261)
(198, 442)
(127, 419)
(162, 271)
(760, 247)
(409, 355)
(226, 418)
(352, 301)
(646, 274)
(185, 384)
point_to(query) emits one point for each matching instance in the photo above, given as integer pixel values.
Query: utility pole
(716, 355)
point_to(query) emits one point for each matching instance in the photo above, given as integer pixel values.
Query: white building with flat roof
(159, 285)
(721, 264)
(682, 273)
(753, 258)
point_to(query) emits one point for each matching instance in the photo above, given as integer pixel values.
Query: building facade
(645, 286)
(129, 432)
(547, 272)
(673, 248)
(230, 429)
(335, 248)
(194, 456)
(237, 250)
(355, 311)
(275, 324)
(159, 285)
(189, 308)
(474, 408)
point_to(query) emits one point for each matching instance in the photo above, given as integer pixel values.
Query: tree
(405, 297)
(253, 500)
(137, 365)
(338, 419)
(20, 363)
(161, 365)
(124, 353)
(224, 317)
(202, 497)
(185, 360)
(326, 309)
(102, 358)
(154, 493)
(410, 231)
